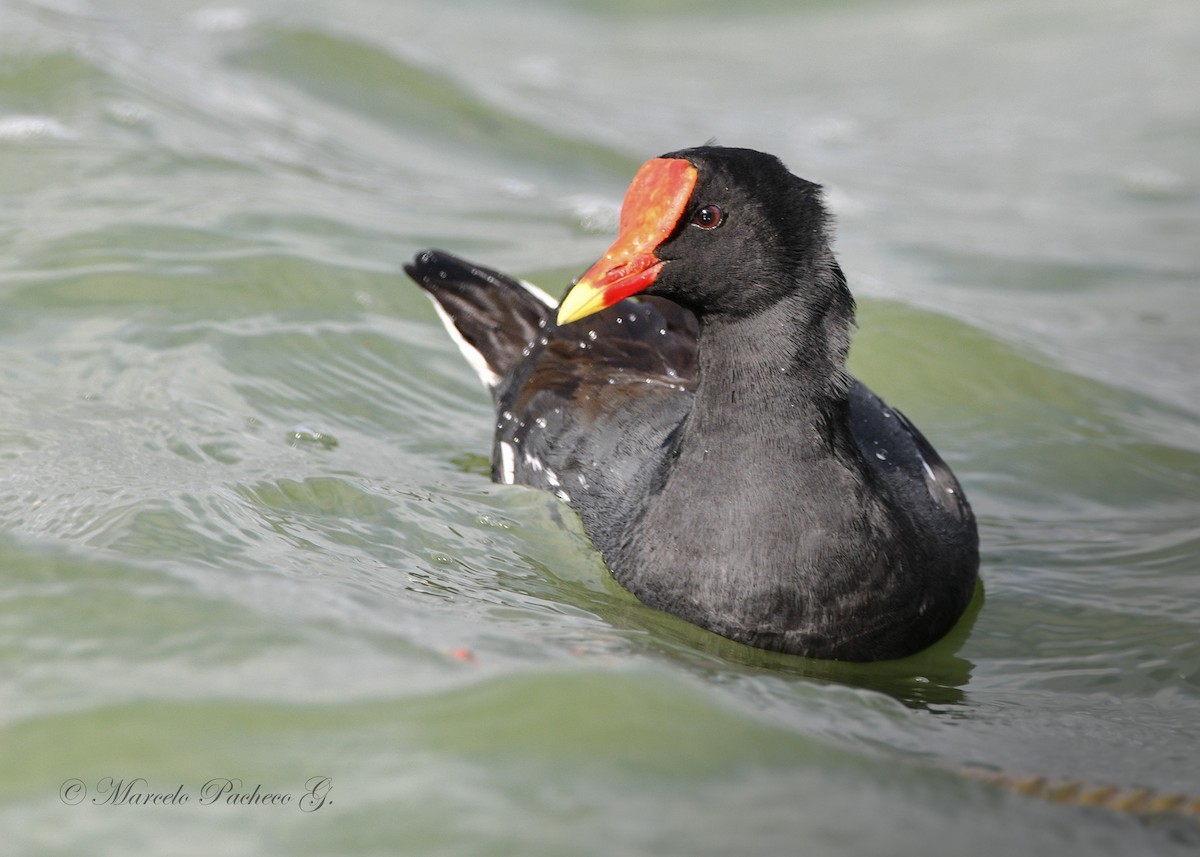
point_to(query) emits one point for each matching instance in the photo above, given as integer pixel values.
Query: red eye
(709, 217)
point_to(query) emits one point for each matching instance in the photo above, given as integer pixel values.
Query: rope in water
(1135, 801)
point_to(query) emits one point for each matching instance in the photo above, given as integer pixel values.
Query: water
(245, 522)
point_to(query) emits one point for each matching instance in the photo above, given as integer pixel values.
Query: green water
(246, 530)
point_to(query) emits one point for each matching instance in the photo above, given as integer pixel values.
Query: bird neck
(761, 513)
(786, 362)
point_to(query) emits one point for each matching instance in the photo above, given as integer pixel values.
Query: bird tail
(491, 317)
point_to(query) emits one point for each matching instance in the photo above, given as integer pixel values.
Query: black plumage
(722, 459)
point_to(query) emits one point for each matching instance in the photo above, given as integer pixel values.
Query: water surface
(246, 529)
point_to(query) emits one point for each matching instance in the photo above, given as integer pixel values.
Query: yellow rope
(1136, 801)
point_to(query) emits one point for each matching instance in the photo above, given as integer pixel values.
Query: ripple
(204, 215)
(33, 127)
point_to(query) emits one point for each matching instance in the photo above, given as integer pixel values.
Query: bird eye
(709, 217)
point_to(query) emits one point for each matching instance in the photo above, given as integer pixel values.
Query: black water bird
(690, 399)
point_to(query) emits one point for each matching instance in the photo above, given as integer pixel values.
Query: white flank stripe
(538, 293)
(489, 378)
(508, 467)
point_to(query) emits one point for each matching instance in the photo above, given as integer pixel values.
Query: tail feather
(490, 316)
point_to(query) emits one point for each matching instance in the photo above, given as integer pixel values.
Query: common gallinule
(689, 398)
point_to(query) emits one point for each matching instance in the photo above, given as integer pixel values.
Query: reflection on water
(930, 680)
